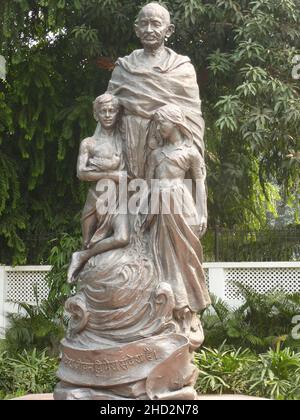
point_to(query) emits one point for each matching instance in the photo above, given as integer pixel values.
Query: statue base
(156, 368)
(123, 341)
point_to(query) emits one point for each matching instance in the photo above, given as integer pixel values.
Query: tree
(60, 55)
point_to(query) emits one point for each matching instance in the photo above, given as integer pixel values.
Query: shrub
(276, 375)
(37, 327)
(272, 375)
(27, 373)
(264, 321)
(223, 371)
(42, 325)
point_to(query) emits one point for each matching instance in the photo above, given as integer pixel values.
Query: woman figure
(176, 223)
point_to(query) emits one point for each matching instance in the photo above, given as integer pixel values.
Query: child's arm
(106, 164)
(83, 158)
(88, 173)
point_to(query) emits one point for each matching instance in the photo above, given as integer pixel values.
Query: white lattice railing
(260, 276)
(17, 284)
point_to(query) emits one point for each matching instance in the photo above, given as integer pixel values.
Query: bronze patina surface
(134, 321)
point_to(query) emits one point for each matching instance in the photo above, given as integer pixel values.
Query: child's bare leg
(119, 239)
(89, 225)
(89, 218)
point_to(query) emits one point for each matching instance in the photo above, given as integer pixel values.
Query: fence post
(2, 300)
(217, 243)
(217, 280)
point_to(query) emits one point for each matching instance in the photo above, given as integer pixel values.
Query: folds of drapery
(177, 251)
(142, 91)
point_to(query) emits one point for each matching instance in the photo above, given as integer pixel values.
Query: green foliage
(2, 346)
(252, 73)
(60, 257)
(38, 327)
(30, 372)
(276, 375)
(263, 321)
(42, 326)
(223, 371)
(273, 375)
(60, 55)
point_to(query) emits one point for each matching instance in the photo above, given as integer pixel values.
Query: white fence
(17, 284)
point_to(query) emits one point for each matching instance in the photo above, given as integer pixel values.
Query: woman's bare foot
(78, 260)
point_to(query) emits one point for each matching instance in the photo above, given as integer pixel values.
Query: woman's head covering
(175, 115)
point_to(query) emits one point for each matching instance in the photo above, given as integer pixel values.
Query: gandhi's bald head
(156, 9)
(153, 26)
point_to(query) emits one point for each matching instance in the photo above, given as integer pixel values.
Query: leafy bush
(276, 375)
(263, 321)
(273, 375)
(60, 257)
(243, 54)
(223, 371)
(42, 325)
(36, 329)
(27, 373)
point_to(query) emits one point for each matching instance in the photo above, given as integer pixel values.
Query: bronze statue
(101, 157)
(150, 78)
(174, 236)
(134, 321)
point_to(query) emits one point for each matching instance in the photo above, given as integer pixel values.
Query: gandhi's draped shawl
(143, 90)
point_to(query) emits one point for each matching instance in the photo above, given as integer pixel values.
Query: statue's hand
(96, 162)
(106, 163)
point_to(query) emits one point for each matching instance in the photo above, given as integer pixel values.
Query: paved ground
(47, 397)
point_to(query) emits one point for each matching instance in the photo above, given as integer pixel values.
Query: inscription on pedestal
(106, 365)
(124, 364)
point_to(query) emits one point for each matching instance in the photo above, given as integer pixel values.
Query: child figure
(101, 158)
